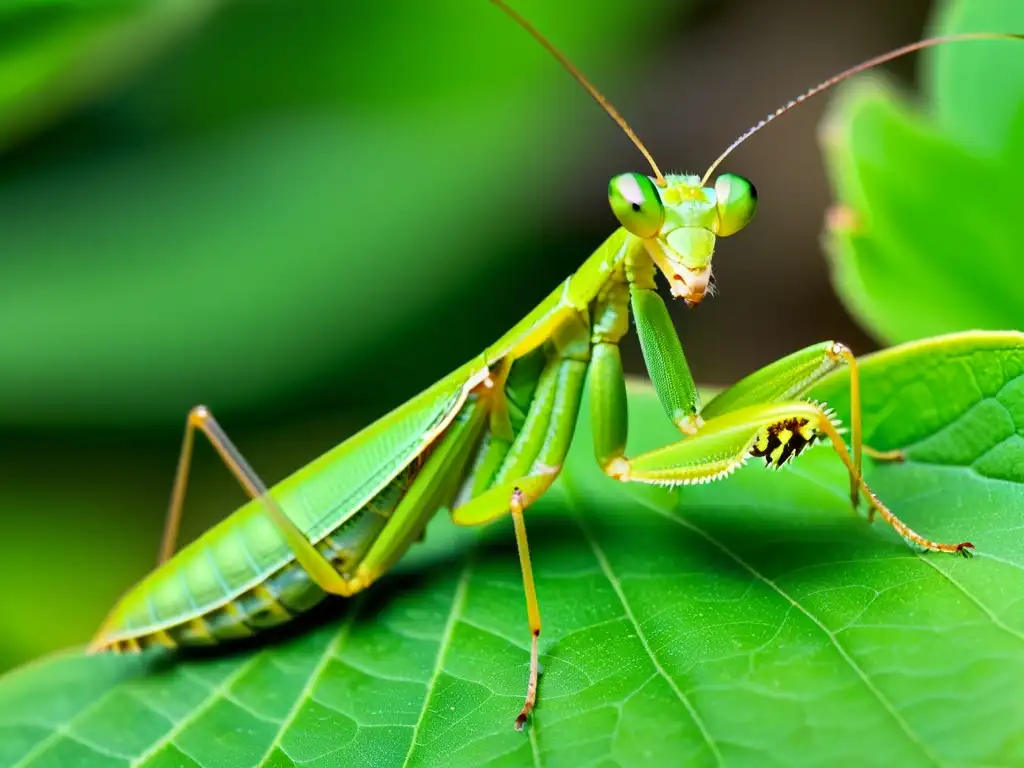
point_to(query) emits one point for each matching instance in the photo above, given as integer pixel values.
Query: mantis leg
(736, 430)
(435, 484)
(534, 458)
(894, 455)
(664, 358)
(318, 567)
(532, 608)
(792, 377)
(529, 468)
(786, 379)
(725, 442)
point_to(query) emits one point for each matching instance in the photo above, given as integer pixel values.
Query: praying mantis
(491, 437)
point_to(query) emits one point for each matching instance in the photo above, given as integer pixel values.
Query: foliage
(220, 207)
(193, 208)
(925, 236)
(757, 617)
(746, 622)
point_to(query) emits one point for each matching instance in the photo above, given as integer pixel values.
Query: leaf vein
(62, 730)
(980, 605)
(642, 636)
(843, 653)
(211, 698)
(330, 651)
(458, 603)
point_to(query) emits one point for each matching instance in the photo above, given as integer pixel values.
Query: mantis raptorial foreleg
(789, 379)
(663, 353)
(758, 417)
(727, 438)
(491, 437)
(315, 564)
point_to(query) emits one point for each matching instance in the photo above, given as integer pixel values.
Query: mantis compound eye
(636, 204)
(736, 203)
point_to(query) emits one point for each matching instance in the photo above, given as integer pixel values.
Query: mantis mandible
(490, 438)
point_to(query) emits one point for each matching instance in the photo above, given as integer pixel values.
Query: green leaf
(759, 621)
(987, 118)
(247, 204)
(55, 54)
(924, 238)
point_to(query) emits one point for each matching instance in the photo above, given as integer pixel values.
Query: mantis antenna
(582, 80)
(872, 62)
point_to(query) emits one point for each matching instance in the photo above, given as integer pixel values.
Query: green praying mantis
(490, 438)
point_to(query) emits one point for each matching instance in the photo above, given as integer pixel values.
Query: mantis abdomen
(239, 578)
(230, 583)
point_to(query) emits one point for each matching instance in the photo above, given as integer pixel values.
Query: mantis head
(679, 217)
(679, 222)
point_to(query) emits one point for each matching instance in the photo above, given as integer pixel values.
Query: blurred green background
(301, 216)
